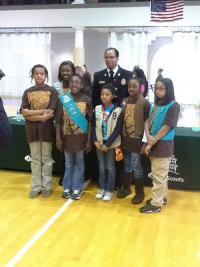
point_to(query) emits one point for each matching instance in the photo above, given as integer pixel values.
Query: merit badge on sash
(123, 81)
(114, 115)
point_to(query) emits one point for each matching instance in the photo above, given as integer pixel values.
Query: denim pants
(132, 164)
(107, 171)
(41, 165)
(74, 171)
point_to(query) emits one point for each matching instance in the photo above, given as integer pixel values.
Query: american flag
(166, 10)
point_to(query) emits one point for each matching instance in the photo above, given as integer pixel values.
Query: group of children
(108, 127)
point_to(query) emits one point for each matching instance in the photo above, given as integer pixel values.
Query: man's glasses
(107, 57)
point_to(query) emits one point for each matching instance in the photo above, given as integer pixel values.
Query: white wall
(92, 17)
(88, 16)
(62, 45)
(95, 43)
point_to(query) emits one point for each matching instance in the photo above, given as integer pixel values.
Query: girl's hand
(145, 149)
(101, 147)
(151, 140)
(98, 145)
(59, 144)
(46, 116)
(48, 110)
(104, 148)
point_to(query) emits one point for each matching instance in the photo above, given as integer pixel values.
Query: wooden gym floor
(90, 233)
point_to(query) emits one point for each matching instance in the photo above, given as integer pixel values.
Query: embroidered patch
(123, 81)
(114, 115)
(98, 112)
(98, 109)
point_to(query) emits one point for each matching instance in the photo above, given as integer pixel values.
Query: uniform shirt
(36, 98)
(120, 82)
(115, 70)
(165, 149)
(73, 137)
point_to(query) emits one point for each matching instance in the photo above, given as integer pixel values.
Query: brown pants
(159, 168)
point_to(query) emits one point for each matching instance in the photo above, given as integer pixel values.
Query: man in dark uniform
(112, 74)
(118, 77)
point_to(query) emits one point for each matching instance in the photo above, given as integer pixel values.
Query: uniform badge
(98, 110)
(123, 81)
(101, 82)
(114, 115)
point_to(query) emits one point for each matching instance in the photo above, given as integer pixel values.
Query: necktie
(111, 72)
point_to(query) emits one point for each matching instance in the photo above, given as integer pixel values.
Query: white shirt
(115, 70)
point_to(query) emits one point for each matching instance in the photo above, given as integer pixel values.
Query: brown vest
(138, 115)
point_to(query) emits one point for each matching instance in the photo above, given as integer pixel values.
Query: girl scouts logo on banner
(123, 81)
(74, 112)
(173, 175)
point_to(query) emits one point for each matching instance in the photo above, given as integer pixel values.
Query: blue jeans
(107, 171)
(132, 163)
(74, 171)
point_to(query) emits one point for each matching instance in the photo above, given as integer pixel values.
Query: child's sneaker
(149, 208)
(107, 196)
(100, 194)
(76, 195)
(66, 193)
(34, 194)
(46, 192)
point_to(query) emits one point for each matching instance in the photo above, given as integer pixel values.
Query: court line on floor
(40, 232)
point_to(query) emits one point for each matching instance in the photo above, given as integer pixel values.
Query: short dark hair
(169, 91)
(112, 48)
(110, 87)
(71, 64)
(38, 66)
